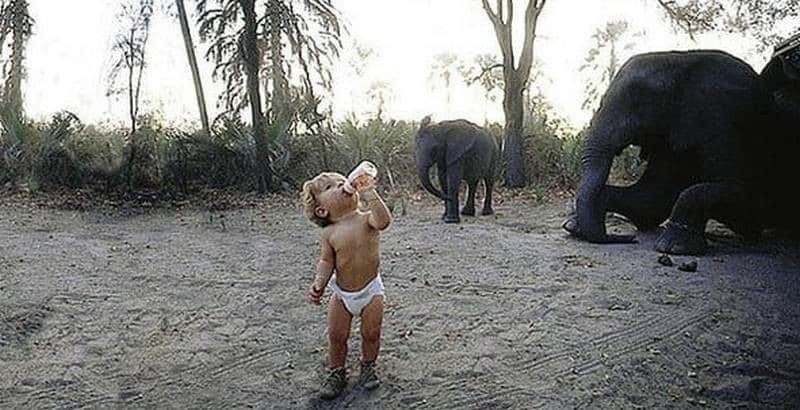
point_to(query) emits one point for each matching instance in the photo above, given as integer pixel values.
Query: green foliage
(300, 41)
(765, 20)
(16, 24)
(387, 143)
(552, 148)
(227, 158)
(390, 143)
(60, 152)
(65, 152)
(18, 143)
(627, 167)
(613, 44)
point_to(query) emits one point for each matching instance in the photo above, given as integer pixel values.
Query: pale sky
(68, 57)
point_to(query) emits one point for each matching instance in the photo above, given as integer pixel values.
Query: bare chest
(353, 236)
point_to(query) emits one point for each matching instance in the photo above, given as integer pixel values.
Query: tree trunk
(516, 78)
(13, 86)
(512, 148)
(131, 111)
(279, 101)
(198, 84)
(251, 66)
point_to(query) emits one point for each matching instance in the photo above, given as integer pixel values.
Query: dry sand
(187, 309)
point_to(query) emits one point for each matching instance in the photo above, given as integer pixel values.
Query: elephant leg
(441, 173)
(648, 202)
(469, 207)
(488, 183)
(454, 174)
(727, 202)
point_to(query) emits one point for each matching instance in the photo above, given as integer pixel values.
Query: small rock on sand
(665, 260)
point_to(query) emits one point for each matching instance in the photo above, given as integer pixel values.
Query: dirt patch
(193, 308)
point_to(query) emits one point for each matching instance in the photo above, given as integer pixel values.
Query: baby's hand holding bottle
(361, 178)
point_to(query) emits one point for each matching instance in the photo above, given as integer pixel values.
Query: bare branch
(687, 19)
(531, 19)
(483, 72)
(490, 13)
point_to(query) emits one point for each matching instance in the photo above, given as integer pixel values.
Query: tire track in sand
(653, 330)
(200, 373)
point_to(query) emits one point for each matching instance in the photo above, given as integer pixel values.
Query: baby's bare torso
(357, 248)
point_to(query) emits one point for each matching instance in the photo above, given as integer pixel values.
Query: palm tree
(16, 21)
(269, 40)
(198, 84)
(302, 35)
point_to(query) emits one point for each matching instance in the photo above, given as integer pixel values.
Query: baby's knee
(338, 336)
(371, 333)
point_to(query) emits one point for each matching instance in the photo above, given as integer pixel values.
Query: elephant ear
(425, 123)
(459, 143)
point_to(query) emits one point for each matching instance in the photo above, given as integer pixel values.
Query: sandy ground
(187, 309)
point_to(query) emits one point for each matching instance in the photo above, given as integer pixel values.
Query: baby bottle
(365, 170)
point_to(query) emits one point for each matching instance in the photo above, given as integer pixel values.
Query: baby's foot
(333, 385)
(368, 378)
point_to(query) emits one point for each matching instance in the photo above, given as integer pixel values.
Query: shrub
(552, 149)
(20, 149)
(390, 144)
(627, 167)
(387, 143)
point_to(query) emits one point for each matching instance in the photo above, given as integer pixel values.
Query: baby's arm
(327, 261)
(379, 217)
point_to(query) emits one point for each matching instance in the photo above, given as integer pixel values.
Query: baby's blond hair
(311, 189)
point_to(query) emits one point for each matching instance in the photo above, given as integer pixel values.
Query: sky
(68, 57)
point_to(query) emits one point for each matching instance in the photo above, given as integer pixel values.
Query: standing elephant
(461, 150)
(721, 141)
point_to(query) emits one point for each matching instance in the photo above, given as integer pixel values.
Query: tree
(254, 44)
(252, 62)
(379, 92)
(303, 36)
(198, 83)
(483, 71)
(515, 78)
(444, 67)
(604, 59)
(294, 46)
(232, 28)
(129, 47)
(760, 19)
(17, 22)
(358, 63)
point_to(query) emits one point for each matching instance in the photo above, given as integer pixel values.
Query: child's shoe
(333, 385)
(368, 378)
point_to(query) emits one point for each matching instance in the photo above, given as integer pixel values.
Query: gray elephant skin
(460, 150)
(721, 142)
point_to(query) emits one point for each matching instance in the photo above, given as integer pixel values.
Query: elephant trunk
(424, 163)
(591, 202)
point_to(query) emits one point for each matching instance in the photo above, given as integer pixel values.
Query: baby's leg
(371, 320)
(339, 320)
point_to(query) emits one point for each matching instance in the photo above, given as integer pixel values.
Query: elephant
(721, 142)
(461, 150)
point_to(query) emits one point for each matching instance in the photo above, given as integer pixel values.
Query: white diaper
(356, 301)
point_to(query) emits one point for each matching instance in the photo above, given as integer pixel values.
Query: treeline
(64, 152)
